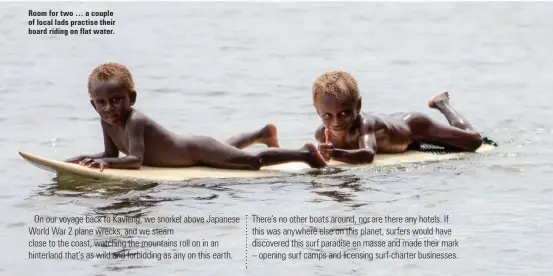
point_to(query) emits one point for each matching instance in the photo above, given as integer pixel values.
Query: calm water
(218, 69)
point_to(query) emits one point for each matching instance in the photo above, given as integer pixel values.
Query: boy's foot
(314, 159)
(269, 136)
(439, 99)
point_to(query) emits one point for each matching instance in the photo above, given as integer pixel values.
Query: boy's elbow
(475, 142)
(110, 154)
(365, 156)
(136, 163)
(368, 156)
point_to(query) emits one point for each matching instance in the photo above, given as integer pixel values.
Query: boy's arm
(136, 148)
(79, 158)
(110, 150)
(320, 134)
(366, 151)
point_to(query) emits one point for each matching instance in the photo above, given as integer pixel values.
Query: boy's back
(162, 148)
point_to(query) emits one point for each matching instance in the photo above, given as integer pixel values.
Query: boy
(144, 142)
(352, 136)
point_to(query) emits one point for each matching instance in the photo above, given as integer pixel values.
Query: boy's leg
(221, 155)
(266, 135)
(308, 154)
(459, 134)
(441, 103)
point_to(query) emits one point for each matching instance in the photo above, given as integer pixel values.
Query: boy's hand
(326, 149)
(75, 160)
(94, 163)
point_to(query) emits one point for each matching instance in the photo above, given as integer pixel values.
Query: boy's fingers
(326, 135)
(84, 162)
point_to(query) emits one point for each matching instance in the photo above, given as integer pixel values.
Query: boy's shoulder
(320, 134)
(367, 118)
(137, 115)
(367, 122)
(137, 118)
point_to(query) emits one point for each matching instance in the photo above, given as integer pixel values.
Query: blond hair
(112, 71)
(337, 83)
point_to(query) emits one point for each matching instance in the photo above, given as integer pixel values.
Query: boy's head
(111, 91)
(337, 100)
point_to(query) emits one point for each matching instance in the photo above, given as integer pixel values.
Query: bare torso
(391, 133)
(146, 143)
(161, 146)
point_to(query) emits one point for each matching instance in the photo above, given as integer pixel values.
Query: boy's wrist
(339, 153)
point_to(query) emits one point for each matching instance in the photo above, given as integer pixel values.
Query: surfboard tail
(489, 141)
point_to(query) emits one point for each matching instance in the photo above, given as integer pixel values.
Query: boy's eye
(327, 116)
(344, 114)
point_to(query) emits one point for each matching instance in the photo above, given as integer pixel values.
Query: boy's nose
(336, 121)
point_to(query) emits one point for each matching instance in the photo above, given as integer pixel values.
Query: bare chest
(350, 141)
(121, 139)
(384, 142)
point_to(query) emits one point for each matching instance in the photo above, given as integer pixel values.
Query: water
(221, 68)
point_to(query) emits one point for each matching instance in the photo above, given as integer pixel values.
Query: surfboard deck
(153, 174)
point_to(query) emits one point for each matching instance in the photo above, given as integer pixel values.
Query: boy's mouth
(339, 128)
(110, 117)
(338, 132)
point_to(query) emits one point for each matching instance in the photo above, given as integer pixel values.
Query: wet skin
(146, 143)
(352, 136)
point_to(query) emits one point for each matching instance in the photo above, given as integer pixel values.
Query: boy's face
(338, 113)
(112, 101)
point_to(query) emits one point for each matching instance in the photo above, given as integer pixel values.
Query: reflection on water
(71, 185)
(339, 185)
(115, 268)
(135, 207)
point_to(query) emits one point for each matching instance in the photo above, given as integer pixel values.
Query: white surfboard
(153, 174)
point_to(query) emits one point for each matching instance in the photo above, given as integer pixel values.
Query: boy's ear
(317, 110)
(132, 96)
(93, 105)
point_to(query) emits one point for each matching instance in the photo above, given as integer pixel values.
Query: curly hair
(112, 71)
(337, 83)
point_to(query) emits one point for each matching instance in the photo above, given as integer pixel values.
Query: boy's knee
(476, 141)
(244, 163)
(248, 161)
(256, 162)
